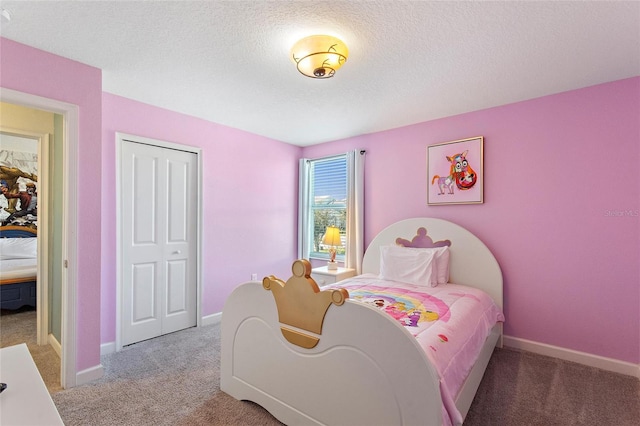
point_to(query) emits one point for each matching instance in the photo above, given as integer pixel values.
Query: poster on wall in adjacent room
(18, 196)
(455, 173)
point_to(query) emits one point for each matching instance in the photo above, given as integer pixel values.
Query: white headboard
(471, 264)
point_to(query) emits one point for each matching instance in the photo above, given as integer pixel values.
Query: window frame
(314, 208)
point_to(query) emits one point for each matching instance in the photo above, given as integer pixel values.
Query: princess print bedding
(450, 323)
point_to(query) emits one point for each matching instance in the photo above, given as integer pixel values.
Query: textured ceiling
(229, 62)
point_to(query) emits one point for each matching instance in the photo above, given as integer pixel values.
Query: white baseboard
(609, 364)
(89, 375)
(53, 342)
(212, 319)
(107, 348)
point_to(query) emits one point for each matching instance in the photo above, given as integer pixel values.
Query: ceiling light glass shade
(319, 56)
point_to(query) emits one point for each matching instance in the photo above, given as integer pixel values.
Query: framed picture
(18, 179)
(455, 173)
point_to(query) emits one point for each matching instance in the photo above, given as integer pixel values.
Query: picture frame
(455, 172)
(18, 181)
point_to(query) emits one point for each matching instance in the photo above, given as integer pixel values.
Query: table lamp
(332, 239)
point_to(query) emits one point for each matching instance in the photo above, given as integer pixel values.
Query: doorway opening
(66, 117)
(30, 294)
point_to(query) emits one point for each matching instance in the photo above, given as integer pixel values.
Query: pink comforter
(450, 322)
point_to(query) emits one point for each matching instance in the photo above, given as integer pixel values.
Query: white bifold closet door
(159, 249)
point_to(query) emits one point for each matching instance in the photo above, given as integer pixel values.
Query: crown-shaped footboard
(301, 304)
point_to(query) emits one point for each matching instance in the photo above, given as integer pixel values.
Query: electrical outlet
(254, 277)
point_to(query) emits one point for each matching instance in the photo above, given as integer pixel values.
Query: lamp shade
(332, 237)
(319, 56)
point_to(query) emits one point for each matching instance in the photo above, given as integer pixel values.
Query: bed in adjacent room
(18, 266)
(407, 342)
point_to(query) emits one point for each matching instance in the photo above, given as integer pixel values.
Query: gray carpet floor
(522, 388)
(174, 380)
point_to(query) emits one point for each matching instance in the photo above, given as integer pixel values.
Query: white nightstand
(323, 276)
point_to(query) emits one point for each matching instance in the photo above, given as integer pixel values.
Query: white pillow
(408, 265)
(18, 248)
(442, 262)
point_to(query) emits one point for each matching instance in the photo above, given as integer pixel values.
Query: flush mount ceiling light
(319, 56)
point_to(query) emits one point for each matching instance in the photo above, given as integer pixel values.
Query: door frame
(71, 126)
(122, 138)
(42, 274)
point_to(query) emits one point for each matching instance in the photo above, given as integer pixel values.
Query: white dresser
(26, 401)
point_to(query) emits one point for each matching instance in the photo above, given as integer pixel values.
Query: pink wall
(558, 172)
(33, 71)
(249, 199)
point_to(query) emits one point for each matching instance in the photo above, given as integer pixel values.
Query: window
(332, 194)
(327, 203)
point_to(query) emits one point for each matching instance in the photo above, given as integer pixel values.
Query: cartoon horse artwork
(460, 172)
(466, 177)
(443, 183)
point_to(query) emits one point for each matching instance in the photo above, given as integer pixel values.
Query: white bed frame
(349, 378)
